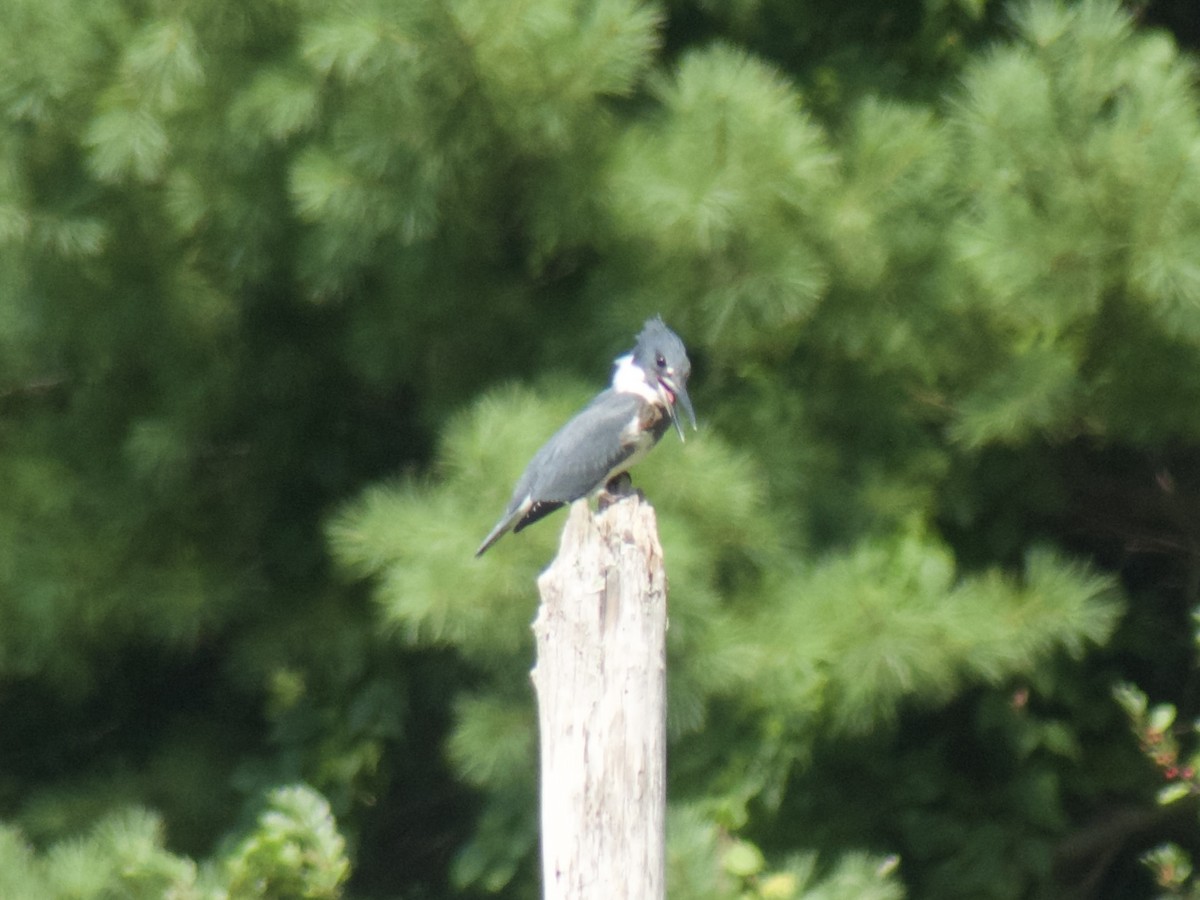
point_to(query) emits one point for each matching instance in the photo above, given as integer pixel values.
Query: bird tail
(503, 527)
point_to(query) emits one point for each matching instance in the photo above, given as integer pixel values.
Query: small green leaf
(1162, 717)
(127, 142)
(1173, 792)
(743, 859)
(1131, 700)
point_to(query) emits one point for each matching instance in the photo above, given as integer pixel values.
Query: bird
(610, 434)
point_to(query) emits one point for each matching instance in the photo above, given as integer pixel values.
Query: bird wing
(580, 455)
(573, 463)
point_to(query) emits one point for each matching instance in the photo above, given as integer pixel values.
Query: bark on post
(601, 688)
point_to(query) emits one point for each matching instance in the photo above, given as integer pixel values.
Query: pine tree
(294, 851)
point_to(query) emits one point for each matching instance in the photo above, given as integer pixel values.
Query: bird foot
(618, 487)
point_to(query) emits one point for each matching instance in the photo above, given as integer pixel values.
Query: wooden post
(601, 689)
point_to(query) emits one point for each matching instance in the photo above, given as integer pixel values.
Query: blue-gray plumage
(608, 435)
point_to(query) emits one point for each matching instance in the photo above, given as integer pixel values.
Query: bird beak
(679, 396)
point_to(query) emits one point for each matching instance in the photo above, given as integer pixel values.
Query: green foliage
(918, 629)
(1172, 748)
(706, 863)
(482, 94)
(1172, 870)
(1058, 135)
(721, 197)
(123, 855)
(295, 851)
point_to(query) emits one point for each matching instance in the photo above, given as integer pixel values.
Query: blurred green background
(291, 290)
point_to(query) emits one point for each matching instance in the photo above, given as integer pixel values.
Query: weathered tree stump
(601, 688)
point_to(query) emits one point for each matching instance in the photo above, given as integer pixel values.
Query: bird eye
(660, 361)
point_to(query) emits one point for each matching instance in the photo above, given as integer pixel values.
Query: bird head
(661, 356)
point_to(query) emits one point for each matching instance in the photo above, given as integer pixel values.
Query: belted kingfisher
(608, 435)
